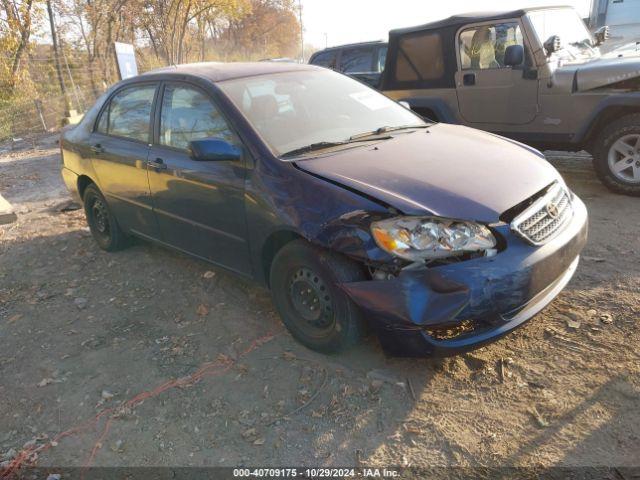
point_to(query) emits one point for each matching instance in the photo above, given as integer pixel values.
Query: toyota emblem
(552, 211)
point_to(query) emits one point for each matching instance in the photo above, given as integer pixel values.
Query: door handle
(97, 148)
(469, 79)
(158, 164)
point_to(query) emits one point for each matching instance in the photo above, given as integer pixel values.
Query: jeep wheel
(617, 156)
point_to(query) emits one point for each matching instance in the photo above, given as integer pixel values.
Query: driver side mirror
(514, 55)
(553, 44)
(214, 150)
(601, 35)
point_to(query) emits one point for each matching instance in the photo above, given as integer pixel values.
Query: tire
(103, 225)
(623, 133)
(303, 278)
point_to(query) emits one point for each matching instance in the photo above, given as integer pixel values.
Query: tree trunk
(25, 34)
(56, 53)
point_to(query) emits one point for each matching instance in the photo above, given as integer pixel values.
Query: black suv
(362, 61)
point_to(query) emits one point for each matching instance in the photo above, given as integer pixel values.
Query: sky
(345, 21)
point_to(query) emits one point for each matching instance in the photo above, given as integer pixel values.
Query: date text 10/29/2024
(312, 473)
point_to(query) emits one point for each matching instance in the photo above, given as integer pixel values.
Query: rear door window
(128, 114)
(357, 60)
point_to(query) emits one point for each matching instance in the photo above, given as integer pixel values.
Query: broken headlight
(428, 238)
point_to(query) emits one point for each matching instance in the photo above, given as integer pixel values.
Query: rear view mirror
(514, 55)
(553, 44)
(405, 104)
(601, 35)
(214, 150)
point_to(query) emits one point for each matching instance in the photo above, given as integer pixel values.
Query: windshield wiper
(322, 145)
(311, 148)
(385, 129)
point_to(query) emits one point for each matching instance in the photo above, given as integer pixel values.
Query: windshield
(576, 40)
(293, 110)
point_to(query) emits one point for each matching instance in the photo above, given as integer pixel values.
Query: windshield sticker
(372, 100)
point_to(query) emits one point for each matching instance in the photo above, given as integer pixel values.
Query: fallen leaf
(289, 356)
(106, 395)
(414, 430)
(45, 381)
(606, 319)
(209, 274)
(539, 418)
(202, 310)
(573, 324)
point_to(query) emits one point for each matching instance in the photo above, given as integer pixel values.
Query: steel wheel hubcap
(310, 298)
(624, 158)
(100, 217)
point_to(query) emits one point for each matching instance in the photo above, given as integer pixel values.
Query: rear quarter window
(357, 60)
(326, 59)
(420, 57)
(382, 58)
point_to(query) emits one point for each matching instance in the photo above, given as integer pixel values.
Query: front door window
(188, 114)
(483, 47)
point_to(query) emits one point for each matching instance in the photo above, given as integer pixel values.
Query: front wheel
(304, 286)
(617, 156)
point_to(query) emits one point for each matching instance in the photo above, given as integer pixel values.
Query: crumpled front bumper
(490, 296)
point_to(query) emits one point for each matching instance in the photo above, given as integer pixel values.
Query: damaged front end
(448, 307)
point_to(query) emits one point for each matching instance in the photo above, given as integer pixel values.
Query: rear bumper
(70, 179)
(490, 296)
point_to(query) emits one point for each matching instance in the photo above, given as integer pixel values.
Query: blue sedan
(353, 210)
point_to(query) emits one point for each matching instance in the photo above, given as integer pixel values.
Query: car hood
(447, 170)
(607, 70)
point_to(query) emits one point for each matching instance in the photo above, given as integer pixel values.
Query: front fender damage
(350, 234)
(411, 302)
(408, 298)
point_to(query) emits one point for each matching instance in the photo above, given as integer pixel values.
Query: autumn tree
(177, 28)
(271, 30)
(16, 24)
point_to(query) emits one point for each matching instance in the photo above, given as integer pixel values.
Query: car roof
(351, 45)
(471, 17)
(219, 72)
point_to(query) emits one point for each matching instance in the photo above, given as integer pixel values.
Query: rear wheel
(103, 225)
(304, 287)
(617, 156)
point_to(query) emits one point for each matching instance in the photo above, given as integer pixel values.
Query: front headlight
(427, 238)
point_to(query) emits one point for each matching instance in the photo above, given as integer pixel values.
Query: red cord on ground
(29, 456)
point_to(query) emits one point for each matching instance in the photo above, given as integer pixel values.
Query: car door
(199, 205)
(119, 149)
(489, 92)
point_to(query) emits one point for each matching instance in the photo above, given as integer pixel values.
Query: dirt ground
(150, 358)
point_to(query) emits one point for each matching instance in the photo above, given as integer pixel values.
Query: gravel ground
(150, 358)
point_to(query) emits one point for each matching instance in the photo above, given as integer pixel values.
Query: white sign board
(126, 57)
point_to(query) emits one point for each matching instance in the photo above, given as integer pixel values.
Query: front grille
(545, 217)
